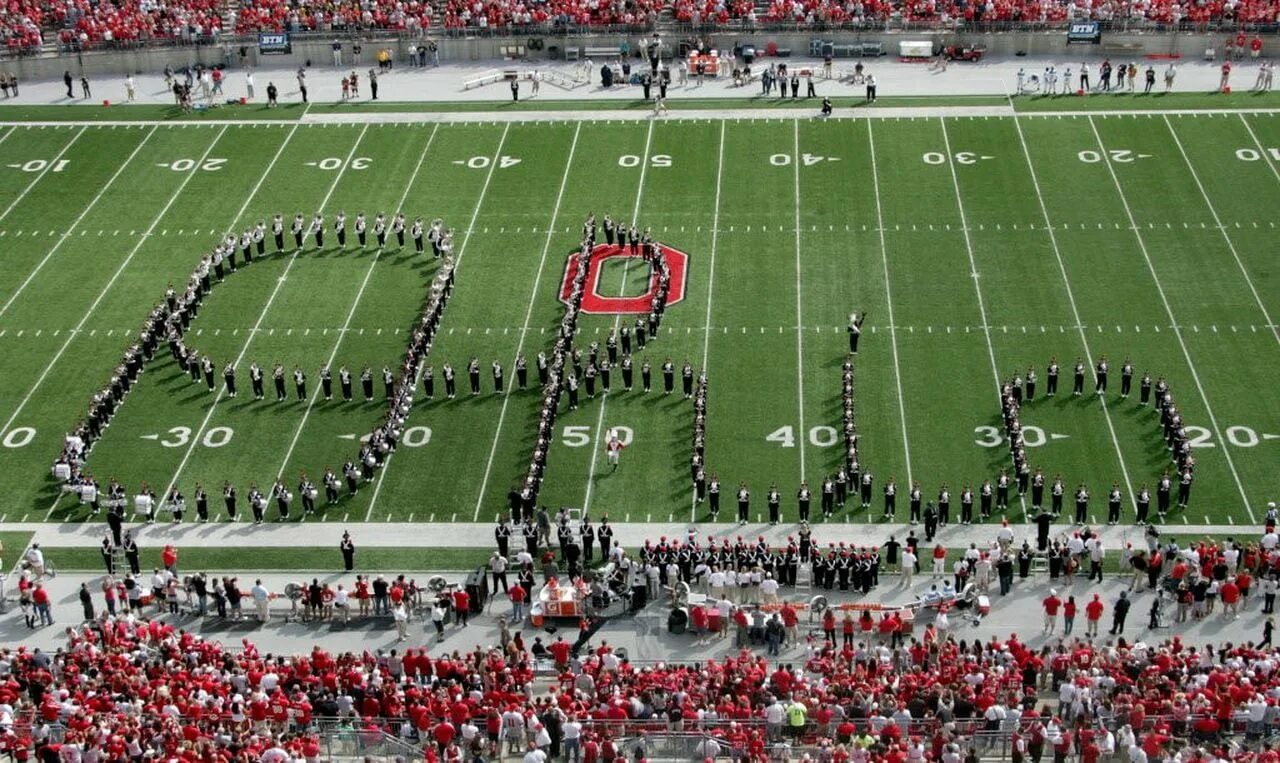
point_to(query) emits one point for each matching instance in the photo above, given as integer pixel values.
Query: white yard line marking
(711, 280)
(462, 249)
(271, 298)
(635, 213)
(795, 165)
(40, 176)
(1186, 353)
(888, 297)
(1221, 228)
(106, 289)
(355, 303)
(1262, 151)
(973, 263)
(528, 314)
(94, 202)
(1075, 311)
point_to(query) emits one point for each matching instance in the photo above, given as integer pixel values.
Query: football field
(977, 247)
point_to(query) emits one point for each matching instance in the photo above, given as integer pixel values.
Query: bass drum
(678, 620)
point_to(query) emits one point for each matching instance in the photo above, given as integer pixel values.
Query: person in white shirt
(401, 616)
(571, 732)
(716, 581)
(908, 567)
(340, 598)
(769, 589)
(774, 715)
(261, 600)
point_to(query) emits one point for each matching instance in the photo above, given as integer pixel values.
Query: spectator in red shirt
(518, 597)
(461, 606)
(1230, 595)
(1093, 615)
(1051, 606)
(560, 652)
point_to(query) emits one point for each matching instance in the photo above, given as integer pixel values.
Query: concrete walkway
(993, 76)
(631, 535)
(645, 635)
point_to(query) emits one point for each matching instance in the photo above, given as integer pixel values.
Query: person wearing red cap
(1093, 615)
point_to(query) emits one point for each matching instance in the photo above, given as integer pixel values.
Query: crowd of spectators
(25, 25)
(125, 685)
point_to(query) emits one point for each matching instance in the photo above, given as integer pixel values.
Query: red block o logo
(595, 303)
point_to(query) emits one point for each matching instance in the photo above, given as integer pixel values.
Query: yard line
(1177, 331)
(528, 314)
(355, 303)
(795, 164)
(711, 280)
(42, 173)
(973, 263)
(106, 289)
(1075, 311)
(457, 264)
(271, 298)
(595, 451)
(1221, 228)
(1262, 151)
(13, 297)
(888, 296)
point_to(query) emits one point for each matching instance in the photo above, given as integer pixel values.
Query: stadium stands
(129, 683)
(26, 24)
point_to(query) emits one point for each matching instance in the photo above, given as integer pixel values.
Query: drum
(678, 620)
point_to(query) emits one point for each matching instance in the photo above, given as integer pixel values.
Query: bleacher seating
(26, 25)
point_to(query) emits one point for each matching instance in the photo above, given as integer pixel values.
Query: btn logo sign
(597, 302)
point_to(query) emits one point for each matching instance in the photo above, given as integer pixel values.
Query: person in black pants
(1119, 612)
(348, 548)
(515, 90)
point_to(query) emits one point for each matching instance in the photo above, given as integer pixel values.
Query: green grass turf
(304, 559)
(1155, 101)
(765, 305)
(131, 112)
(676, 102)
